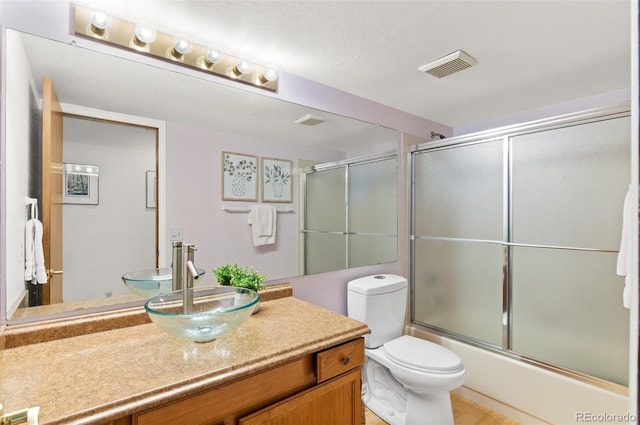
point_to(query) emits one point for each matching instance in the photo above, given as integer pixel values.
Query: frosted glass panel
(364, 232)
(569, 185)
(325, 201)
(373, 197)
(324, 252)
(567, 188)
(458, 192)
(371, 249)
(458, 287)
(567, 310)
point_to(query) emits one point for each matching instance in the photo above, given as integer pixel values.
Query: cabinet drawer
(340, 359)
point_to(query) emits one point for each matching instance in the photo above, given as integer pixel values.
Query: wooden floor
(465, 412)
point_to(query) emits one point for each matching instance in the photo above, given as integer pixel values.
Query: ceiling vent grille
(447, 65)
(310, 119)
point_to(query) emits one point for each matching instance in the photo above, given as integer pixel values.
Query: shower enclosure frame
(346, 165)
(504, 134)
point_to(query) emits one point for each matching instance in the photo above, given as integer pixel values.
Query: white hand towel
(29, 254)
(624, 263)
(262, 219)
(41, 271)
(34, 267)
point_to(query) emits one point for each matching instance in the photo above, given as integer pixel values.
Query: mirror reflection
(113, 227)
(350, 214)
(129, 229)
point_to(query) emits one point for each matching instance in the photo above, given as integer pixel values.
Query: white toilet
(406, 380)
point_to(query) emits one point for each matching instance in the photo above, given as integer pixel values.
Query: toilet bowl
(406, 380)
(411, 387)
(422, 366)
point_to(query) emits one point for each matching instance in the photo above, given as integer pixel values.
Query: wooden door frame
(51, 181)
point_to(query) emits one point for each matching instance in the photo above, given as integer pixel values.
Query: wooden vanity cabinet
(334, 402)
(319, 388)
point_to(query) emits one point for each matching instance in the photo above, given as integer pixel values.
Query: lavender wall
(576, 105)
(195, 204)
(194, 157)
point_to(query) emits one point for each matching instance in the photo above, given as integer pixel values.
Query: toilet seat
(423, 356)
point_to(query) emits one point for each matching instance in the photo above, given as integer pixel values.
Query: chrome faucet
(27, 416)
(177, 266)
(183, 274)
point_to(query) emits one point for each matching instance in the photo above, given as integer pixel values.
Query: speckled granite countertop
(100, 377)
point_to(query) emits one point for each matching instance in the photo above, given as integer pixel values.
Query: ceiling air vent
(447, 65)
(310, 119)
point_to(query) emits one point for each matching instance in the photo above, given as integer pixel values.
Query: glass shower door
(351, 217)
(372, 213)
(568, 187)
(515, 238)
(457, 235)
(325, 248)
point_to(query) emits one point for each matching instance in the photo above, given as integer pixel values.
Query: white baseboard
(20, 302)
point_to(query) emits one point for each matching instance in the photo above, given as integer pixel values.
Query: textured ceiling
(530, 53)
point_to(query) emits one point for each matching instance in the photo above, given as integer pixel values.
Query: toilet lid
(422, 355)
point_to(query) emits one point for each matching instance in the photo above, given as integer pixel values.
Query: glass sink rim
(227, 290)
(163, 273)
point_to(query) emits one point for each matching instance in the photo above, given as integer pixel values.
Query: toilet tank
(380, 301)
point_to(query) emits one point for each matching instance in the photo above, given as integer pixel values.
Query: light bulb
(270, 74)
(144, 35)
(98, 23)
(243, 67)
(182, 45)
(213, 56)
(209, 60)
(100, 20)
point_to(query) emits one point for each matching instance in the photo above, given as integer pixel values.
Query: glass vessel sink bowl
(151, 282)
(214, 311)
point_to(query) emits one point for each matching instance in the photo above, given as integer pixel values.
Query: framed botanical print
(276, 180)
(239, 177)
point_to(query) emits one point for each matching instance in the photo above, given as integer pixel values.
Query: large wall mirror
(108, 109)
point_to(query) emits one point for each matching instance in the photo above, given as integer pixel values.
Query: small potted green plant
(225, 272)
(239, 277)
(234, 275)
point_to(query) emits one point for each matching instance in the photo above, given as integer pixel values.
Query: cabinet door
(334, 402)
(224, 404)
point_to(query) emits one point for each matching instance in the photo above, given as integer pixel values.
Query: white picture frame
(150, 189)
(80, 184)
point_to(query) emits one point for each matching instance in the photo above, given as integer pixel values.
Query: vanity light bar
(144, 39)
(92, 170)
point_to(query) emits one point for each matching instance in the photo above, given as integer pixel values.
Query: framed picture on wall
(239, 177)
(80, 184)
(150, 189)
(277, 182)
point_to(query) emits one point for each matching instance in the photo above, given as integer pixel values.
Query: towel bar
(247, 209)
